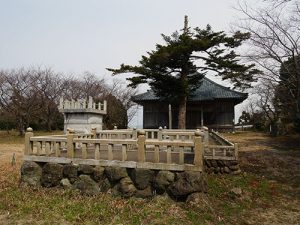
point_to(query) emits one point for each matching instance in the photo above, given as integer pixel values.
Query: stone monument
(82, 115)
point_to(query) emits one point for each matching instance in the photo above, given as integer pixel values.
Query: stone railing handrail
(217, 137)
(82, 104)
(129, 145)
(66, 150)
(159, 134)
(113, 134)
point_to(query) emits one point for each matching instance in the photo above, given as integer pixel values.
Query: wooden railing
(88, 149)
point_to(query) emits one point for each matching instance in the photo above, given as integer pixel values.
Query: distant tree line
(30, 97)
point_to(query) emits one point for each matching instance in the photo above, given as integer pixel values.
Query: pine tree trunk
(182, 113)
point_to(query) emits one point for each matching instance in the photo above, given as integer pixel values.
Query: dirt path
(275, 158)
(278, 160)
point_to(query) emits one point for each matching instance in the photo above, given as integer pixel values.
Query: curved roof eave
(208, 91)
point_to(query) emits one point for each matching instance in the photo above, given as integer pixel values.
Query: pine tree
(171, 69)
(288, 91)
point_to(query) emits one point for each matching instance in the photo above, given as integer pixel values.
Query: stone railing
(82, 104)
(160, 134)
(160, 154)
(223, 149)
(126, 162)
(220, 139)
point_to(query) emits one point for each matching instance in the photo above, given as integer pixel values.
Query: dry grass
(266, 199)
(13, 137)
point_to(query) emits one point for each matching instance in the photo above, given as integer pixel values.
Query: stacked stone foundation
(217, 166)
(119, 181)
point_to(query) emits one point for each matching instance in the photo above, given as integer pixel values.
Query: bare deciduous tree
(275, 39)
(18, 97)
(119, 89)
(48, 85)
(31, 96)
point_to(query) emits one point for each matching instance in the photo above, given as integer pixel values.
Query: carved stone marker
(82, 115)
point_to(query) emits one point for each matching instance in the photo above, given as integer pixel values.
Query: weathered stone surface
(226, 163)
(161, 198)
(216, 169)
(230, 162)
(197, 198)
(124, 188)
(85, 169)
(220, 163)
(235, 192)
(188, 182)
(214, 163)
(86, 185)
(146, 193)
(236, 172)
(209, 170)
(221, 170)
(98, 173)
(142, 178)
(226, 169)
(65, 183)
(104, 185)
(52, 174)
(162, 180)
(71, 172)
(207, 163)
(234, 167)
(234, 162)
(31, 174)
(115, 174)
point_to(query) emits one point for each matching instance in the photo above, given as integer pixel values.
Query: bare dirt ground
(278, 160)
(275, 158)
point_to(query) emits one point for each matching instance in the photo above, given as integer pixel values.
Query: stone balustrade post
(104, 105)
(90, 103)
(28, 144)
(94, 133)
(160, 134)
(134, 133)
(198, 149)
(236, 151)
(70, 143)
(61, 103)
(141, 146)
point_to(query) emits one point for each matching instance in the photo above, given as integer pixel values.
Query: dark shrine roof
(208, 91)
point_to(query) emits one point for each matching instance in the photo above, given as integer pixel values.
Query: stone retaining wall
(118, 181)
(222, 166)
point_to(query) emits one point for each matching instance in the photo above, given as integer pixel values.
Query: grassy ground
(269, 183)
(13, 137)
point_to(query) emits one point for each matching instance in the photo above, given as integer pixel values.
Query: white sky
(73, 36)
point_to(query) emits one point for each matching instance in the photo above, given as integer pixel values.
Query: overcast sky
(73, 36)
